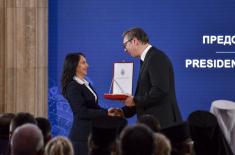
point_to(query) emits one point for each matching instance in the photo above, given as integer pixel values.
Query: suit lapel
(143, 67)
(88, 93)
(94, 92)
(145, 62)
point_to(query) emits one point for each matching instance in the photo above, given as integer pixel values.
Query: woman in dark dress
(82, 99)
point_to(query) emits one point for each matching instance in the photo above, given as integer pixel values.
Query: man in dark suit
(155, 91)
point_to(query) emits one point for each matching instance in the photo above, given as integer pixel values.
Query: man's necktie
(141, 63)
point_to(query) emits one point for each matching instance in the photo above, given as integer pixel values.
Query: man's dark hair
(45, 126)
(151, 121)
(20, 119)
(5, 120)
(105, 130)
(137, 33)
(137, 140)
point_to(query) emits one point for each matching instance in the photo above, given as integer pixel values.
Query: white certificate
(122, 78)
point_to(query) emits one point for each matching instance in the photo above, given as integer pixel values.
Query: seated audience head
(59, 146)
(20, 119)
(163, 145)
(207, 135)
(27, 140)
(179, 136)
(45, 127)
(150, 121)
(137, 140)
(5, 120)
(104, 133)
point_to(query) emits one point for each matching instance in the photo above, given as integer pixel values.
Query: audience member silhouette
(59, 146)
(137, 140)
(151, 121)
(5, 120)
(179, 136)
(20, 119)
(163, 144)
(45, 126)
(105, 130)
(27, 140)
(207, 135)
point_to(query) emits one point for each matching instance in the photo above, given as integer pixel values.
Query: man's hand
(129, 101)
(115, 112)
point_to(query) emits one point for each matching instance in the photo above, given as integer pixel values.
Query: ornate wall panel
(24, 55)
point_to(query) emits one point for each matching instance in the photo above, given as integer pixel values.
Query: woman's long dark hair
(69, 70)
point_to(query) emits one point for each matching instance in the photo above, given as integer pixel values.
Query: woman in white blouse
(82, 99)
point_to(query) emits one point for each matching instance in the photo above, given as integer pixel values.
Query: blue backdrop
(94, 27)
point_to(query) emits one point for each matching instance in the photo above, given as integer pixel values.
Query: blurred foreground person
(27, 140)
(150, 121)
(163, 145)
(104, 134)
(207, 136)
(181, 142)
(137, 140)
(59, 146)
(5, 120)
(45, 126)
